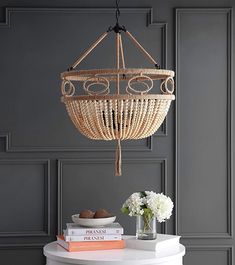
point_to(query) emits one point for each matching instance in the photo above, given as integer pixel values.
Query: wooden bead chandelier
(132, 114)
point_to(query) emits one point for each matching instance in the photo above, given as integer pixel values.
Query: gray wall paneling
(194, 34)
(209, 255)
(204, 159)
(43, 143)
(26, 186)
(23, 254)
(70, 190)
(18, 146)
(12, 145)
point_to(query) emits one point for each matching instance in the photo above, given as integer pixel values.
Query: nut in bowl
(93, 219)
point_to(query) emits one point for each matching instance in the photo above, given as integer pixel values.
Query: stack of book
(78, 238)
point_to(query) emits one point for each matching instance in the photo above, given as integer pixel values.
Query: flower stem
(147, 223)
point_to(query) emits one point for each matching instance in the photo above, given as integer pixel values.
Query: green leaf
(125, 210)
(142, 194)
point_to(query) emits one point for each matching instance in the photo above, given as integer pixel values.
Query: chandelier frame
(135, 114)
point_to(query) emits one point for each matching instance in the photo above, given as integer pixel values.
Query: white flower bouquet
(149, 205)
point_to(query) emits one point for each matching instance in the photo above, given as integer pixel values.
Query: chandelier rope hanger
(134, 114)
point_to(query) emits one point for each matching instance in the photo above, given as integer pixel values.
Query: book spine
(62, 243)
(93, 232)
(93, 238)
(98, 246)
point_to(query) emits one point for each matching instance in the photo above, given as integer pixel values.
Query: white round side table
(56, 255)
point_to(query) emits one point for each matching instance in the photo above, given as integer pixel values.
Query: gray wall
(48, 171)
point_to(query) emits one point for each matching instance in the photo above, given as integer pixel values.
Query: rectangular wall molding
(9, 148)
(187, 13)
(21, 246)
(9, 137)
(46, 180)
(213, 248)
(63, 162)
(26, 254)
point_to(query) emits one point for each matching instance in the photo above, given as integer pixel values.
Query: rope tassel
(118, 162)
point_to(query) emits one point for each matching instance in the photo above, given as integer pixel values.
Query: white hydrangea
(160, 205)
(134, 203)
(149, 203)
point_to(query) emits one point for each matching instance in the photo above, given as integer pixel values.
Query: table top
(116, 256)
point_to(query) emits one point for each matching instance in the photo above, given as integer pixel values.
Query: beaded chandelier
(128, 114)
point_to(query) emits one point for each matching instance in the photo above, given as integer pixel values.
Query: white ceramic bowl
(93, 222)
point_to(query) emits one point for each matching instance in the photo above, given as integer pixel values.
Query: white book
(92, 238)
(162, 242)
(76, 230)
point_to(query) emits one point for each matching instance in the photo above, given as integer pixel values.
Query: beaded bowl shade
(129, 113)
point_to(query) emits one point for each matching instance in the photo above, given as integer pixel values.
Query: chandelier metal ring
(93, 98)
(111, 74)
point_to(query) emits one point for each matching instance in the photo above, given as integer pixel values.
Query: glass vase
(146, 227)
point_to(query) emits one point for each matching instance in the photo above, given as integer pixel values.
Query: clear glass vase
(146, 227)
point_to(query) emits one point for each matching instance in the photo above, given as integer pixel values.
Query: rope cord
(118, 162)
(92, 47)
(122, 52)
(141, 48)
(118, 61)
